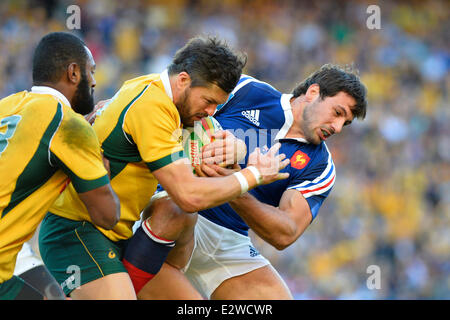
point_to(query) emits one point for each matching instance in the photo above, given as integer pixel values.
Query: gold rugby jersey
(39, 135)
(140, 131)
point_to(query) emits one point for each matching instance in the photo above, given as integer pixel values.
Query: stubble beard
(307, 124)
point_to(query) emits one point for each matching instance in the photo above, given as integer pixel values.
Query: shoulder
(312, 170)
(45, 103)
(44, 109)
(321, 153)
(74, 130)
(255, 88)
(247, 81)
(307, 159)
(142, 97)
(252, 90)
(152, 94)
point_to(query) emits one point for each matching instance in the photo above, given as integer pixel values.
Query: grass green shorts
(11, 288)
(76, 252)
(17, 288)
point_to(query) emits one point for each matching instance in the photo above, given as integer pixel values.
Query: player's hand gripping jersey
(261, 115)
(139, 131)
(39, 135)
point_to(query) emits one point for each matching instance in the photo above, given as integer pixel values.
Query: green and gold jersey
(39, 135)
(140, 132)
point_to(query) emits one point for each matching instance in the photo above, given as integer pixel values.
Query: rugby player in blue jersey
(213, 250)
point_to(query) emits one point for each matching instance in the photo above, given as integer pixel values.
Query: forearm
(103, 206)
(203, 193)
(270, 223)
(196, 193)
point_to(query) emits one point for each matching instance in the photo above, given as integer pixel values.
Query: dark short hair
(209, 60)
(53, 55)
(333, 79)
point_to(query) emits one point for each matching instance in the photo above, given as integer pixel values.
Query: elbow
(190, 202)
(107, 218)
(283, 241)
(103, 206)
(112, 221)
(280, 245)
(105, 223)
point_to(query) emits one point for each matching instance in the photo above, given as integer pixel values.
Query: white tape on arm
(256, 173)
(243, 182)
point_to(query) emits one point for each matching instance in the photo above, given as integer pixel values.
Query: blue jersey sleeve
(314, 182)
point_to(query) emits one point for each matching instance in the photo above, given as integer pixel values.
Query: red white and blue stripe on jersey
(319, 185)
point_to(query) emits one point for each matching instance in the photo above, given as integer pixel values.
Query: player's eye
(338, 113)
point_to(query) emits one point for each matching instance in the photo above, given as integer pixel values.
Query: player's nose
(210, 109)
(337, 126)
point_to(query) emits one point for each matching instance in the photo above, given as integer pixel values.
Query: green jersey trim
(119, 145)
(38, 170)
(80, 185)
(164, 161)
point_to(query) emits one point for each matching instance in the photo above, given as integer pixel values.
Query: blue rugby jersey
(261, 115)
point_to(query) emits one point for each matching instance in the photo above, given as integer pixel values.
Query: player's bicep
(75, 149)
(293, 203)
(80, 183)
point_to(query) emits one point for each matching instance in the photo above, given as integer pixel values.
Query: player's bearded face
(188, 113)
(83, 100)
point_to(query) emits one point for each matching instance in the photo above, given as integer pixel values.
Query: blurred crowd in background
(390, 206)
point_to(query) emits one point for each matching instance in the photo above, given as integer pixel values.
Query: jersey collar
(48, 90)
(166, 83)
(285, 102)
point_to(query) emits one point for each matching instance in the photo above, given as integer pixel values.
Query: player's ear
(183, 80)
(73, 73)
(313, 92)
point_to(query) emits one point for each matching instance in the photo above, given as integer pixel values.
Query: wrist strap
(256, 173)
(243, 182)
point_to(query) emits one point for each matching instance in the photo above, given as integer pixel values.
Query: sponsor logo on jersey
(252, 115)
(194, 153)
(299, 160)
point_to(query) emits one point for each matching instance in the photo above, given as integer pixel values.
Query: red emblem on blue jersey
(299, 160)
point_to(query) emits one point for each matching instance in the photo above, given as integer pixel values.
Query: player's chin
(315, 138)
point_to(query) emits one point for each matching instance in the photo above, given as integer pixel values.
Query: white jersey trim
(48, 90)
(321, 184)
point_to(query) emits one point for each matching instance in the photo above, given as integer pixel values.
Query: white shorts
(219, 254)
(27, 259)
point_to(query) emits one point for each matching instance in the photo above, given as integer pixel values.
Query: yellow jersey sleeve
(76, 150)
(155, 129)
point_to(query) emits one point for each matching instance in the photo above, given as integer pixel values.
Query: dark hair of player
(333, 79)
(53, 55)
(209, 61)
